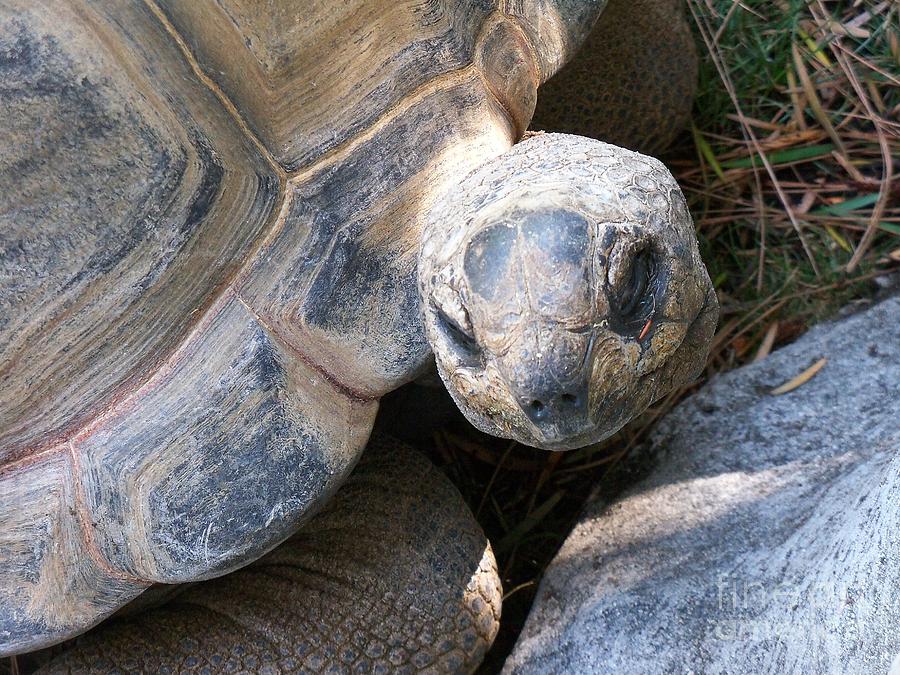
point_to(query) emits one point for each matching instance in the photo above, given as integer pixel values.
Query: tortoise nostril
(555, 408)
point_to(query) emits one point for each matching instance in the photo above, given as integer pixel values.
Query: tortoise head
(563, 291)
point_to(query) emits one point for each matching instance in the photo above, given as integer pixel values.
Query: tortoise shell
(209, 218)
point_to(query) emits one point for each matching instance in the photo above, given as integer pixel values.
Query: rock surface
(764, 535)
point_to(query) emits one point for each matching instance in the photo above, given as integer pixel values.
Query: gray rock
(764, 536)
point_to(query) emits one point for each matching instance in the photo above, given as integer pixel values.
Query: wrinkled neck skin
(555, 28)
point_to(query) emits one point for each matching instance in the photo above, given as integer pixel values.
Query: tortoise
(227, 229)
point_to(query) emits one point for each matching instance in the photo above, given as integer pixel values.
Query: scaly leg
(633, 82)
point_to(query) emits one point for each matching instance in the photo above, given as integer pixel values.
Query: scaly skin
(633, 82)
(394, 575)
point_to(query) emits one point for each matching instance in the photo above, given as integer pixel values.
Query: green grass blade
(529, 523)
(707, 152)
(782, 157)
(846, 206)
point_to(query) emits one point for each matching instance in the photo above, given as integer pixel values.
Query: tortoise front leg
(394, 575)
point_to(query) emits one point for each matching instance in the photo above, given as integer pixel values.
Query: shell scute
(51, 582)
(128, 197)
(220, 457)
(310, 76)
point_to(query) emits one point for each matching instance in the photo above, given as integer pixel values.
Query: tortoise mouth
(492, 407)
(692, 330)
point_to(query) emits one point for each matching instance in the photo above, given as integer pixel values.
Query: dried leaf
(801, 379)
(814, 48)
(768, 341)
(809, 198)
(814, 103)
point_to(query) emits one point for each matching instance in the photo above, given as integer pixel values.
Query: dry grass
(794, 189)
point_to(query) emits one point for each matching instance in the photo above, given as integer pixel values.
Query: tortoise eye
(634, 300)
(637, 284)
